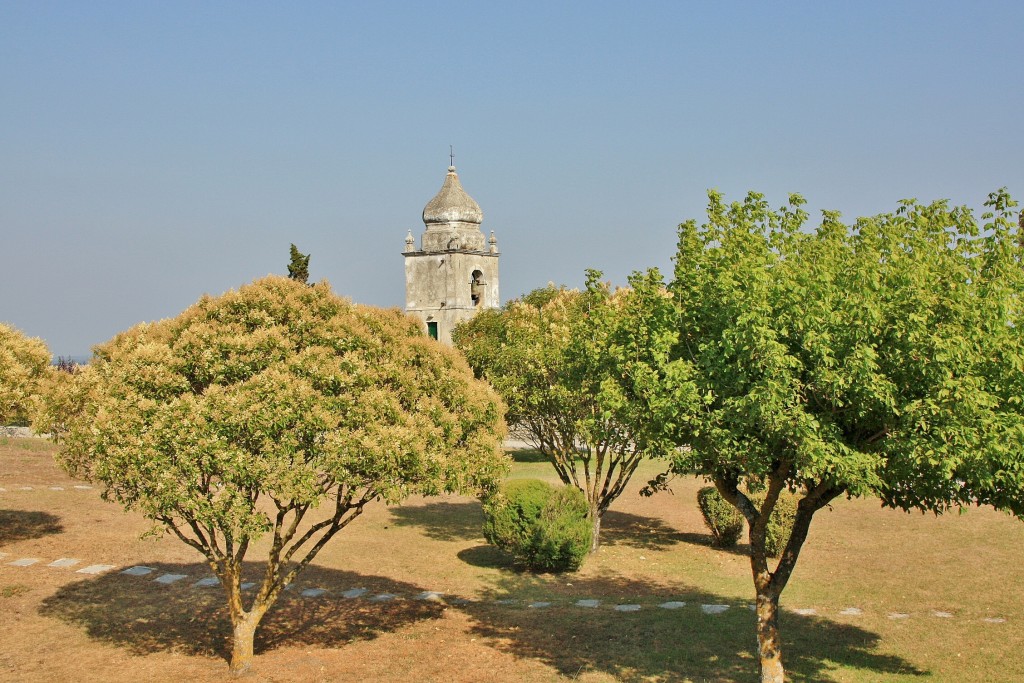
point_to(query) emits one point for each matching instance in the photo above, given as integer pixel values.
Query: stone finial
(493, 241)
(410, 242)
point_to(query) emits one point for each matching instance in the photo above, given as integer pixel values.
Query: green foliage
(721, 518)
(510, 512)
(544, 528)
(880, 359)
(24, 364)
(884, 358)
(780, 522)
(298, 266)
(583, 375)
(238, 417)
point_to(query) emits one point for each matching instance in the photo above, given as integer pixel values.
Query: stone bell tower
(454, 273)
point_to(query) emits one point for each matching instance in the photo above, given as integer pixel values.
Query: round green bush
(780, 524)
(544, 528)
(726, 523)
(723, 520)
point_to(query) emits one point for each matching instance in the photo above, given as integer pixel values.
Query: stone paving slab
(138, 571)
(64, 562)
(170, 578)
(24, 562)
(210, 581)
(713, 609)
(429, 595)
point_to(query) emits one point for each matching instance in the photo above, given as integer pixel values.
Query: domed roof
(452, 204)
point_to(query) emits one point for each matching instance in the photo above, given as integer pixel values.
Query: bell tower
(454, 273)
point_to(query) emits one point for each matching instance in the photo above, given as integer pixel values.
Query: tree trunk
(243, 631)
(595, 527)
(769, 647)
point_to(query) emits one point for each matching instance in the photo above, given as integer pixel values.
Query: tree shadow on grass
(442, 521)
(637, 531)
(143, 616)
(23, 525)
(487, 556)
(528, 455)
(463, 521)
(662, 644)
(741, 548)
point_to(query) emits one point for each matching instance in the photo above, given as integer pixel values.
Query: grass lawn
(62, 625)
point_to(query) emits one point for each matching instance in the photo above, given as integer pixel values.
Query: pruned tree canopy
(23, 364)
(249, 411)
(583, 374)
(881, 359)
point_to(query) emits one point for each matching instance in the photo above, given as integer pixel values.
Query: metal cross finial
(451, 154)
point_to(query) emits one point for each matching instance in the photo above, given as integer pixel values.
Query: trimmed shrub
(723, 520)
(780, 524)
(726, 523)
(544, 528)
(509, 512)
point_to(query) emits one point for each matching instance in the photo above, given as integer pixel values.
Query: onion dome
(452, 204)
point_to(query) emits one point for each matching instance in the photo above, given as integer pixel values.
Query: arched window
(476, 287)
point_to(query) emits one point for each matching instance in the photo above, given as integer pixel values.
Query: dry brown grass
(59, 625)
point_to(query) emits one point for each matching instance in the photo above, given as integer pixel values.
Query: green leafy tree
(298, 266)
(276, 409)
(583, 373)
(24, 362)
(884, 359)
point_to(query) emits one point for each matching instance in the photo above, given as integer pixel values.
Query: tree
(23, 364)
(298, 267)
(249, 411)
(577, 371)
(883, 360)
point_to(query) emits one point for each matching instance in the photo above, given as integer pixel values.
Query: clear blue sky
(153, 152)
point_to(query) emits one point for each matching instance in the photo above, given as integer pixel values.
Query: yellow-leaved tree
(23, 364)
(240, 416)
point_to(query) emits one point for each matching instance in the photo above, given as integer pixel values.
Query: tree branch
(819, 497)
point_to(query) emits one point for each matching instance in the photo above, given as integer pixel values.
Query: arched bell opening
(476, 288)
